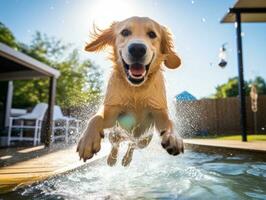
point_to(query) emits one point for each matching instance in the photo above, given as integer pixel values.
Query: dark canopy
(15, 65)
(253, 11)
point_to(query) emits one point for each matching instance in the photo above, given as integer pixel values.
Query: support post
(50, 112)
(8, 94)
(241, 86)
(9, 98)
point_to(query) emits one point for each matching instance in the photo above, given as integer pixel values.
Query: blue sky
(198, 34)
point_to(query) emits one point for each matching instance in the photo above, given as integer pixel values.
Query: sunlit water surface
(153, 174)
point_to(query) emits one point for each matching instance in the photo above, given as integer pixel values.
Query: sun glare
(104, 12)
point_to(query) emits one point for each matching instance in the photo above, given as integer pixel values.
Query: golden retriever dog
(136, 88)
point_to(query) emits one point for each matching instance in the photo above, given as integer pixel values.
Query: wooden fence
(219, 116)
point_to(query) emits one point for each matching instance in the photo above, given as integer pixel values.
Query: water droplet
(235, 25)
(192, 2)
(263, 128)
(51, 7)
(242, 34)
(203, 19)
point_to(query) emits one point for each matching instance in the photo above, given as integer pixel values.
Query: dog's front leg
(170, 142)
(115, 139)
(90, 142)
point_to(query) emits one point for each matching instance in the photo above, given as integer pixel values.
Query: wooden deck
(20, 167)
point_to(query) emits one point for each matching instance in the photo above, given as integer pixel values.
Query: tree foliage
(230, 89)
(7, 37)
(45, 49)
(260, 84)
(80, 81)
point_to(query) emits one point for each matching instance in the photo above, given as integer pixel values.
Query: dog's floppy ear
(171, 61)
(101, 38)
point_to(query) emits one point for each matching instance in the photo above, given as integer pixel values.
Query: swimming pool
(153, 174)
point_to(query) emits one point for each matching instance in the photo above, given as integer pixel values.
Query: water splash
(187, 118)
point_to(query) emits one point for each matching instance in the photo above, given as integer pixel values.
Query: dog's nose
(137, 50)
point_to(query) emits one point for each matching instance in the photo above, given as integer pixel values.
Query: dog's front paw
(172, 144)
(89, 144)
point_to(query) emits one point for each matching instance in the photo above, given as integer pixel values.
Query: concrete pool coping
(228, 146)
(42, 167)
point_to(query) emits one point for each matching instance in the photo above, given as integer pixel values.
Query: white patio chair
(36, 116)
(69, 123)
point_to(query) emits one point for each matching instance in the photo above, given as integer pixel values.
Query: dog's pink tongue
(137, 69)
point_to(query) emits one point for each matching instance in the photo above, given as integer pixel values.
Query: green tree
(80, 82)
(260, 84)
(230, 89)
(27, 93)
(45, 49)
(7, 37)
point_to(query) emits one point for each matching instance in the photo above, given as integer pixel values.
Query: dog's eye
(152, 34)
(125, 32)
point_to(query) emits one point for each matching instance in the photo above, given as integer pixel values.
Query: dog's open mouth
(136, 72)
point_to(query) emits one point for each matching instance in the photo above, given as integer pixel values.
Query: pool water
(153, 174)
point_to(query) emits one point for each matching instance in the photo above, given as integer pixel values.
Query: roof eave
(27, 61)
